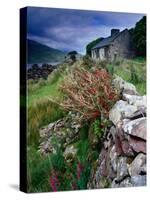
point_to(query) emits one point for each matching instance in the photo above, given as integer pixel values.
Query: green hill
(39, 53)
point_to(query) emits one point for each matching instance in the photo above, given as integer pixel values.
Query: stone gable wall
(121, 47)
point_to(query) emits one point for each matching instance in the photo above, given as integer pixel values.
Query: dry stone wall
(122, 160)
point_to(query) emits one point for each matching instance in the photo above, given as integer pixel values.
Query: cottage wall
(98, 54)
(121, 47)
(102, 54)
(94, 54)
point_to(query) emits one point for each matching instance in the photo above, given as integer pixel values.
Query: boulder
(137, 144)
(122, 168)
(134, 181)
(136, 128)
(137, 166)
(113, 158)
(126, 148)
(121, 143)
(121, 110)
(141, 112)
(138, 180)
(126, 182)
(109, 137)
(124, 86)
(138, 101)
(103, 171)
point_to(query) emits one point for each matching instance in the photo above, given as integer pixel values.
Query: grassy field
(43, 89)
(133, 71)
(41, 112)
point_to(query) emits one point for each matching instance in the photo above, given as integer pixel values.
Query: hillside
(39, 53)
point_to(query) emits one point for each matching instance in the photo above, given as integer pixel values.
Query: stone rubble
(62, 132)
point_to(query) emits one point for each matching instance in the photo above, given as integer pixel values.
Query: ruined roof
(107, 41)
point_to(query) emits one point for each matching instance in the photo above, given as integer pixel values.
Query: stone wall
(122, 160)
(36, 72)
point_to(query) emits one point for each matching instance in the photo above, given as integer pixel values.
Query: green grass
(44, 92)
(41, 112)
(43, 89)
(38, 170)
(40, 167)
(125, 69)
(39, 115)
(140, 59)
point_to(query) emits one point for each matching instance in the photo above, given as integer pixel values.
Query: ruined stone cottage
(119, 44)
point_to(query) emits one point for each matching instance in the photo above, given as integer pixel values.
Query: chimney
(114, 31)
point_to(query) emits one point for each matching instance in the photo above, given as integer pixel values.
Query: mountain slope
(39, 53)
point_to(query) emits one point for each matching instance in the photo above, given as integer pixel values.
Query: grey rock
(138, 165)
(61, 132)
(109, 137)
(122, 168)
(138, 180)
(141, 112)
(130, 182)
(114, 183)
(137, 144)
(70, 153)
(121, 110)
(136, 128)
(138, 101)
(126, 148)
(122, 85)
(113, 158)
(143, 169)
(100, 171)
(126, 182)
(113, 132)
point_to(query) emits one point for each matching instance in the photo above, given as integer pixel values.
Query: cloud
(73, 29)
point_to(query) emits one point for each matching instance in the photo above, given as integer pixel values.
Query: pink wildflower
(79, 170)
(54, 182)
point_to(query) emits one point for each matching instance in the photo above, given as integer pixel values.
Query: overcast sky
(73, 29)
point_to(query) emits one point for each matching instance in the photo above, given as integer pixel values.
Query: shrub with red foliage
(89, 92)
